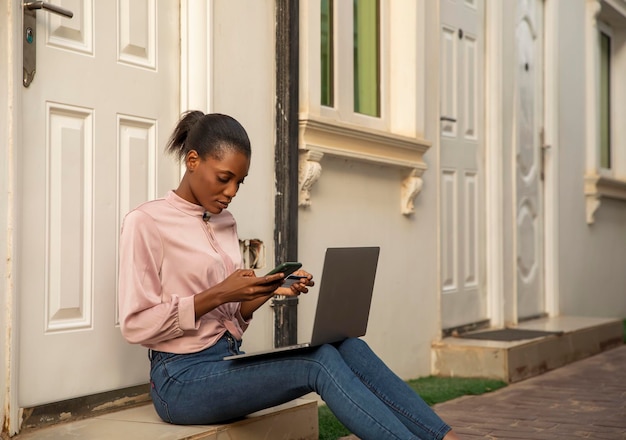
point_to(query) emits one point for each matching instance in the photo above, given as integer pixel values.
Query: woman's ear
(192, 160)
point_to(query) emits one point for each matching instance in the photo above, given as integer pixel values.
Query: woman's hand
(251, 291)
(249, 307)
(301, 286)
(244, 285)
(241, 286)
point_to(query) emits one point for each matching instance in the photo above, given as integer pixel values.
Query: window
(605, 175)
(365, 17)
(351, 65)
(348, 79)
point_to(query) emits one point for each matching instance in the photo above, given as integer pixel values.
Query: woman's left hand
(298, 287)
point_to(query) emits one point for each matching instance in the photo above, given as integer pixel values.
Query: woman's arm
(144, 317)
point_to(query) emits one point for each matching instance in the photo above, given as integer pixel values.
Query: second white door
(462, 181)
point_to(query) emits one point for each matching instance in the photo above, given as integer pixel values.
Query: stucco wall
(592, 257)
(243, 86)
(356, 204)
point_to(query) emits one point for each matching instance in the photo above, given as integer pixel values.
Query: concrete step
(512, 361)
(296, 420)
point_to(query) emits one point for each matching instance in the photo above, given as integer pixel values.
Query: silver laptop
(344, 300)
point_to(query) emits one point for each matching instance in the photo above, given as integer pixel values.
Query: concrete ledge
(517, 360)
(296, 420)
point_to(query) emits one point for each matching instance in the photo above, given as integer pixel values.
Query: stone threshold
(297, 419)
(512, 361)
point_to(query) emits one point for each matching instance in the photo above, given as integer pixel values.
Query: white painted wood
(551, 165)
(494, 162)
(68, 217)
(75, 35)
(11, 34)
(95, 120)
(137, 33)
(462, 136)
(528, 160)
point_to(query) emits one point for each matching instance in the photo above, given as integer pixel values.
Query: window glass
(366, 57)
(327, 53)
(605, 100)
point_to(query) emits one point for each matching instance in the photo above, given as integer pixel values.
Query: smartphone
(287, 268)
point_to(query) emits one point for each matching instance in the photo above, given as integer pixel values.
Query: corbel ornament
(411, 187)
(309, 171)
(598, 187)
(319, 137)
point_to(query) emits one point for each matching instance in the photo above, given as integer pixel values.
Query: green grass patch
(432, 389)
(440, 389)
(330, 427)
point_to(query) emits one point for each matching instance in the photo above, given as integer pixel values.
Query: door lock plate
(29, 42)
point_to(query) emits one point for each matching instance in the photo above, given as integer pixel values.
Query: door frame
(494, 164)
(551, 164)
(10, 132)
(195, 93)
(501, 296)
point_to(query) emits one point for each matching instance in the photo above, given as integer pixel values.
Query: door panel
(96, 118)
(462, 192)
(529, 187)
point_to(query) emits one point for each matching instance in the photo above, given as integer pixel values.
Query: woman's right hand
(244, 285)
(241, 286)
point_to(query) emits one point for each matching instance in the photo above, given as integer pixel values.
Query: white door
(462, 146)
(95, 120)
(528, 163)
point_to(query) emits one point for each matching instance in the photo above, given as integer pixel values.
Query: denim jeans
(362, 392)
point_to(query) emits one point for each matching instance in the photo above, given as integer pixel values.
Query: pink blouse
(168, 253)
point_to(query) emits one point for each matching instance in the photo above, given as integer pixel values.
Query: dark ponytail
(210, 135)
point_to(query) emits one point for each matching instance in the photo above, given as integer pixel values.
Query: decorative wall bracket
(319, 137)
(411, 187)
(309, 171)
(598, 187)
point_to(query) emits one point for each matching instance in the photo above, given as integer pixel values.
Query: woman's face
(212, 183)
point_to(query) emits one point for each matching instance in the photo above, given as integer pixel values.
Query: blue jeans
(362, 392)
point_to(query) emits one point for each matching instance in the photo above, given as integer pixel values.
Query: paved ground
(586, 399)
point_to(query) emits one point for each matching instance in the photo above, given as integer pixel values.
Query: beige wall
(592, 257)
(243, 69)
(356, 204)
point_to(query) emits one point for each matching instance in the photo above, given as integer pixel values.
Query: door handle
(29, 61)
(32, 6)
(447, 119)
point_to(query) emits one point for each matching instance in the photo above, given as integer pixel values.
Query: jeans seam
(163, 403)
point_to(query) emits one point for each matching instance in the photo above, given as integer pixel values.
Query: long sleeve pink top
(168, 253)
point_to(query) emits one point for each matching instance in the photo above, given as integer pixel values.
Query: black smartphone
(287, 268)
